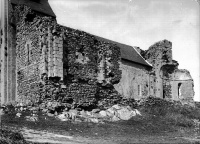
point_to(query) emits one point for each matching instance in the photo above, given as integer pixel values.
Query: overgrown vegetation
(173, 112)
(11, 137)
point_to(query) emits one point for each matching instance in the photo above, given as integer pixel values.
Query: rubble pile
(114, 113)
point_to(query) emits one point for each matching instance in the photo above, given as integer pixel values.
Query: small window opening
(30, 17)
(179, 89)
(139, 90)
(111, 74)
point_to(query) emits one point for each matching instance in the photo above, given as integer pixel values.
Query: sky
(140, 23)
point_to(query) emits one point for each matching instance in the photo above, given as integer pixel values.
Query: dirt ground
(46, 137)
(156, 124)
(135, 130)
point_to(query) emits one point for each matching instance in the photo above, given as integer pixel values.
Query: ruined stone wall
(158, 55)
(48, 51)
(182, 85)
(168, 70)
(170, 82)
(90, 66)
(135, 82)
(89, 69)
(33, 42)
(28, 55)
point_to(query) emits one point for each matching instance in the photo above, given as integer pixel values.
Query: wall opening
(28, 53)
(164, 93)
(30, 17)
(179, 89)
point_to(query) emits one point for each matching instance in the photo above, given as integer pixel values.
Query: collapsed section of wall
(183, 85)
(91, 67)
(158, 55)
(170, 82)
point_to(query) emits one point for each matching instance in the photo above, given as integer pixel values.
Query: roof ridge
(142, 57)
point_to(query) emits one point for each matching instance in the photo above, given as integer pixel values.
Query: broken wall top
(182, 74)
(160, 52)
(162, 43)
(128, 52)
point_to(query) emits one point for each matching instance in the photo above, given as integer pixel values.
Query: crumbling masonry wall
(158, 55)
(182, 85)
(46, 51)
(91, 67)
(38, 53)
(170, 82)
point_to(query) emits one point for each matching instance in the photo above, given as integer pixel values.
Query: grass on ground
(159, 118)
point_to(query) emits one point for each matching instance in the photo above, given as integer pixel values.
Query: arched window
(28, 51)
(179, 89)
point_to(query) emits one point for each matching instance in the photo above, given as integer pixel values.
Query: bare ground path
(47, 137)
(55, 138)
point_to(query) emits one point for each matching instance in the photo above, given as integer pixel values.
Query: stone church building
(35, 49)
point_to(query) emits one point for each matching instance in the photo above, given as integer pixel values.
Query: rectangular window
(28, 53)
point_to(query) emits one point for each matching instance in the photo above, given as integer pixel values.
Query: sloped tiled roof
(128, 52)
(41, 6)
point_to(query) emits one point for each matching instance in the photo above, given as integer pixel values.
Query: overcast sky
(139, 23)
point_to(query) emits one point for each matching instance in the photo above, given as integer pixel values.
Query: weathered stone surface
(135, 80)
(46, 50)
(125, 114)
